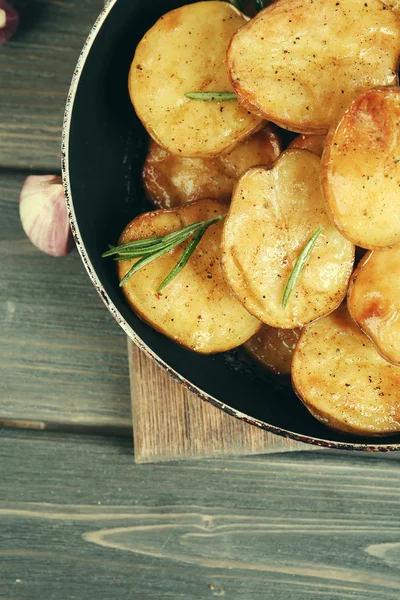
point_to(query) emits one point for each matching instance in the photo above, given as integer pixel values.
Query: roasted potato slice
(185, 51)
(273, 348)
(197, 309)
(314, 143)
(360, 169)
(342, 379)
(273, 214)
(374, 300)
(299, 63)
(171, 180)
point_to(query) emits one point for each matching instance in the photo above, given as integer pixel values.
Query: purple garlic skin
(9, 21)
(44, 216)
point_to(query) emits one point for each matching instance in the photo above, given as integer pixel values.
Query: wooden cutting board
(171, 423)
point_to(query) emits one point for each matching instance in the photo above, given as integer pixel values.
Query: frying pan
(104, 145)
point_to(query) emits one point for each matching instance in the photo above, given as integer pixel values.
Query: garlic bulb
(9, 21)
(44, 214)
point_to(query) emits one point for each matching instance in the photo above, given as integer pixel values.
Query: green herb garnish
(211, 96)
(299, 266)
(259, 4)
(150, 249)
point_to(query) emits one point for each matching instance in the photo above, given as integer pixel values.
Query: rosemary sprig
(150, 249)
(212, 96)
(299, 266)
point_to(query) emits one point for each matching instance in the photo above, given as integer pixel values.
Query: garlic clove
(9, 21)
(44, 215)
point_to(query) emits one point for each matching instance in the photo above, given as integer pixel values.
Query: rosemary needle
(147, 243)
(117, 249)
(145, 261)
(187, 253)
(211, 96)
(299, 266)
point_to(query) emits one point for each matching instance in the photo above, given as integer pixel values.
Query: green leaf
(299, 266)
(212, 96)
(119, 249)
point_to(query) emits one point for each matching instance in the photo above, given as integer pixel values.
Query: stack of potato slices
(214, 89)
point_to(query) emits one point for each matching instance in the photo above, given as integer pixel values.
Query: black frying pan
(103, 150)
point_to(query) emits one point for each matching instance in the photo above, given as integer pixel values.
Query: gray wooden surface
(78, 519)
(63, 359)
(35, 70)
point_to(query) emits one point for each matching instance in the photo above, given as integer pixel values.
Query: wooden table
(78, 518)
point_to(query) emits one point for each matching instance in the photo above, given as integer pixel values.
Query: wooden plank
(171, 423)
(36, 67)
(62, 356)
(80, 520)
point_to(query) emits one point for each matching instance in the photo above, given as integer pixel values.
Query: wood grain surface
(63, 358)
(171, 423)
(36, 68)
(80, 520)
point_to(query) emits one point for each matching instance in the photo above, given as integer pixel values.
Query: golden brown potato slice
(273, 214)
(361, 169)
(273, 348)
(314, 143)
(185, 51)
(171, 180)
(197, 309)
(343, 381)
(374, 300)
(299, 63)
